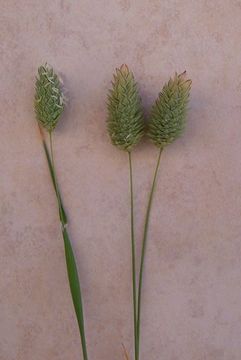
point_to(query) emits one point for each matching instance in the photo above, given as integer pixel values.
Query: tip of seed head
(124, 69)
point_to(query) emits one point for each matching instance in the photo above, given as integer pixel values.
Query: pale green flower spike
(125, 116)
(168, 114)
(49, 98)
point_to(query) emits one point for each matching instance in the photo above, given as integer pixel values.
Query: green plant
(166, 123)
(125, 125)
(49, 105)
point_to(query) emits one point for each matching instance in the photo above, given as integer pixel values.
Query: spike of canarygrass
(168, 114)
(125, 120)
(48, 108)
(167, 121)
(49, 98)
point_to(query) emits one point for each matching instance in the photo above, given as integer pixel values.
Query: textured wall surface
(192, 289)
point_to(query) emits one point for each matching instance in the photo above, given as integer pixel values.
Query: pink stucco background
(192, 281)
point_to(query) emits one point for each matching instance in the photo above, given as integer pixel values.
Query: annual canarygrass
(49, 105)
(125, 120)
(166, 123)
(168, 114)
(125, 125)
(49, 98)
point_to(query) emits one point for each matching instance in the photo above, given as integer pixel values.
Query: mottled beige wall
(192, 286)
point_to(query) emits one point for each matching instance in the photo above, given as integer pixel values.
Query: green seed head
(125, 122)
(168, 115)
(49, 99)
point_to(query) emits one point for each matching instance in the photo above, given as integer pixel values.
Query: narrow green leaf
(69, 256)
(143, 251)
(75, 288)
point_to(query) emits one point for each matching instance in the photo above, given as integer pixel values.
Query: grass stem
(133, 251)
(144, 240)
(69, 254)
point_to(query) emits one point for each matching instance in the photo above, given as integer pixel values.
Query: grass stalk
(133, 253)
(69, 254)
(143, 251)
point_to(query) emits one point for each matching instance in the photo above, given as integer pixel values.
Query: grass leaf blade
(75, 288)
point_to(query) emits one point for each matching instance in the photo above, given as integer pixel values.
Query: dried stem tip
(125, 122)
(168, 115)
(49, 99)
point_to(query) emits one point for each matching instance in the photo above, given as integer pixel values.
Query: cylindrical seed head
(49, 98)
(168, 114)
(125, 122)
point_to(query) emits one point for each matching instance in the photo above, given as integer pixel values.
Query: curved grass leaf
(72, 271)
(75, 288)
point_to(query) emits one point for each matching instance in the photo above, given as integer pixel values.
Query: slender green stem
(133, 257)
(69, 255)
(62, 219)
(148, 211)
(61, 209)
